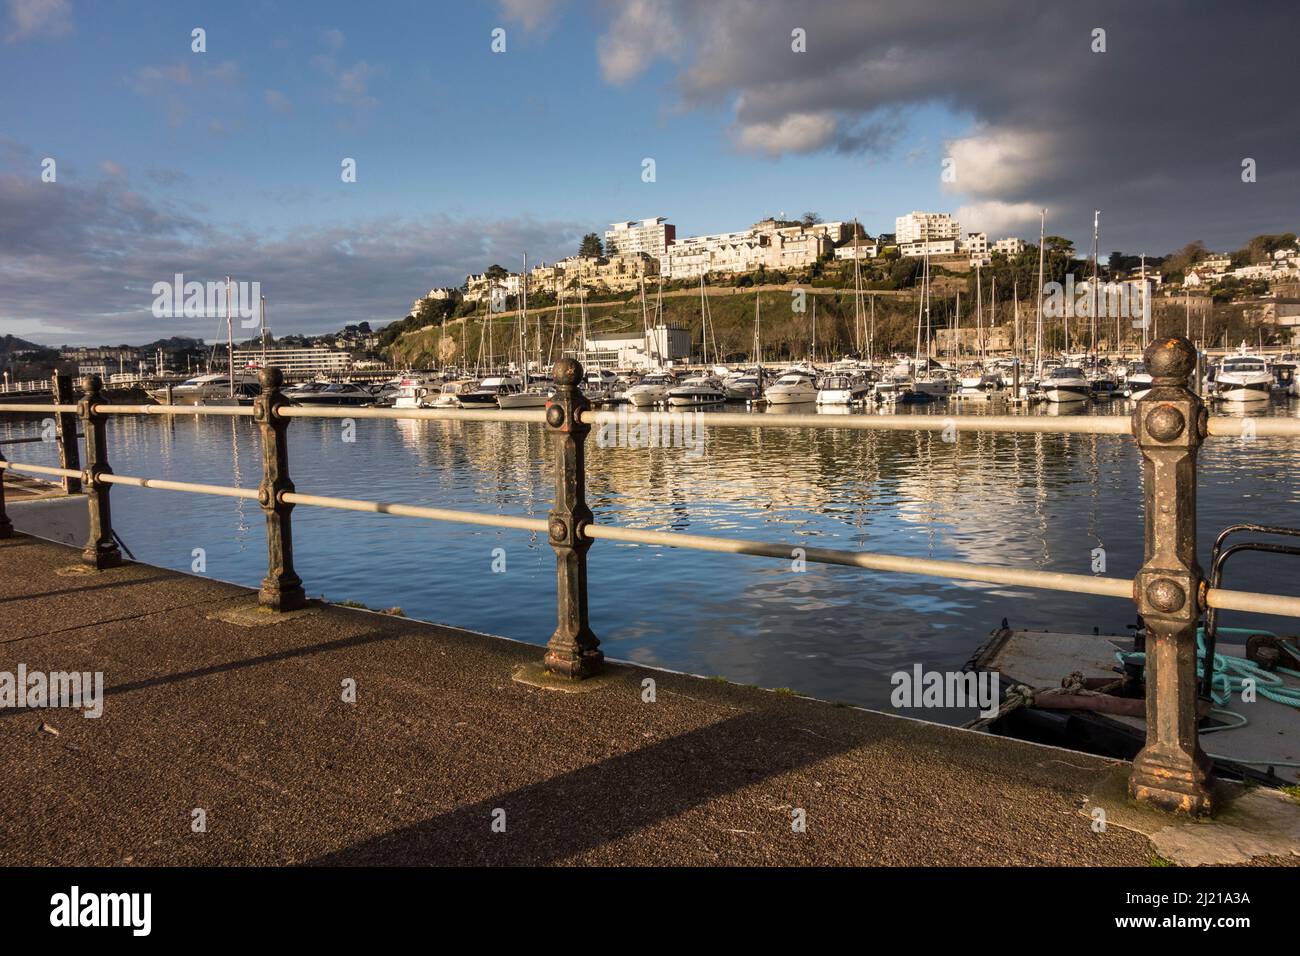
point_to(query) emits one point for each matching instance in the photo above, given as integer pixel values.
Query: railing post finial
(1170, 422)
(573, 650)
(101, 549)
(281, 588)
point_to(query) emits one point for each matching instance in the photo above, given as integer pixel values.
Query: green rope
(1230, 676)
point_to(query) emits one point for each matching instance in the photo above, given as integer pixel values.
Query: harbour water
(1052, 502)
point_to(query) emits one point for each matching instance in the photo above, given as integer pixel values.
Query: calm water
(1040, 501)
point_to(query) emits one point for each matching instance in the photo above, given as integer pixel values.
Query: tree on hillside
(591, 247)
(495, 271)
(810, 219)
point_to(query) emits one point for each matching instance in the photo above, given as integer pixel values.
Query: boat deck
(1041, 659)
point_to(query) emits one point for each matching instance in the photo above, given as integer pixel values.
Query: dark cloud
(82, 259)
(1153, 131)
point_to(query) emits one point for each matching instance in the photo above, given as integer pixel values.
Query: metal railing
(1170, 591)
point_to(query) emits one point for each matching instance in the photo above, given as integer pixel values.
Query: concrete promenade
(247, 724)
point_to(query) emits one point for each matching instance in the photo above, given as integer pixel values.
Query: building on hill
(661, 345)
(926, 227)
(650, 237)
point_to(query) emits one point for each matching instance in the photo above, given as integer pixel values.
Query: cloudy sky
(167, 160)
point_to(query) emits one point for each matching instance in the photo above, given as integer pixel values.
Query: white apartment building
(651, 237)
(295, 361)
(479, 288)
(765, 245)
(1011, 246)
(661, 345)
(933, 247)
(919, 226)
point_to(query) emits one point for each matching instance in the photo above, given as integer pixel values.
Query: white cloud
(1000, 219)
(793, 133)
(643, 31)
(995, 162)
(530, 14)
(38, 18)
(278, 102)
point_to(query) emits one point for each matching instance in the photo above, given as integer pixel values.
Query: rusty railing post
(1171, 772)
(281, 588)
(66, 431)
(573, 650)
(101, 549)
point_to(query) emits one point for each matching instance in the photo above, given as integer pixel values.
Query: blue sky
(229, 160)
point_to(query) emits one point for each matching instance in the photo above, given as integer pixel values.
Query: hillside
(785, 333)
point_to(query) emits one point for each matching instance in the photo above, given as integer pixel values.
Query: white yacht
(651, 390)
(843, 389)
(743, 386)
(490, 391)
(535, 395)
(892, 390)
(1242, 378)
(697, 390)
(414, 393)
(794, 386)
(1137, 380)
(1065, 383)
(197, 390)
(449, 396)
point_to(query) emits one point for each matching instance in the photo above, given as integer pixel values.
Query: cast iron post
(281, 588)
(6, 526)
(573, 650)
(66, 426)
(1171, 772)
(101, 549)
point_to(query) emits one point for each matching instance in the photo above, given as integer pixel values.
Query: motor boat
(651, 390)
(1137, 380)
(415, 393)
(245, 393)
(489, 392)
(892, 390)
(793, 387)
(697, 390)
(331, 394)
(1066, 383)
(843, 389)
(536, 395)
(743, 386)
(1242, 378)
(449, 396)
(1284, 375)
(195, 391)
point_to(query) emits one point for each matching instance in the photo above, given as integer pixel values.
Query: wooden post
(281, 588)
(573, 650)
(101, 549)
(66, 430)
(1171, 772)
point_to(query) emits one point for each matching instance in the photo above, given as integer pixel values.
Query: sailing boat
(927, 384)
(538, 388)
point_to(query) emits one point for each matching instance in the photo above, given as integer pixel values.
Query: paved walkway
(248, 724)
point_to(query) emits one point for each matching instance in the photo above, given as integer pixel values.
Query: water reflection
(1035, 500)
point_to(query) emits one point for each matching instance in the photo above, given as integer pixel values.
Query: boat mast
(1096, 215)
(1038, 327)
